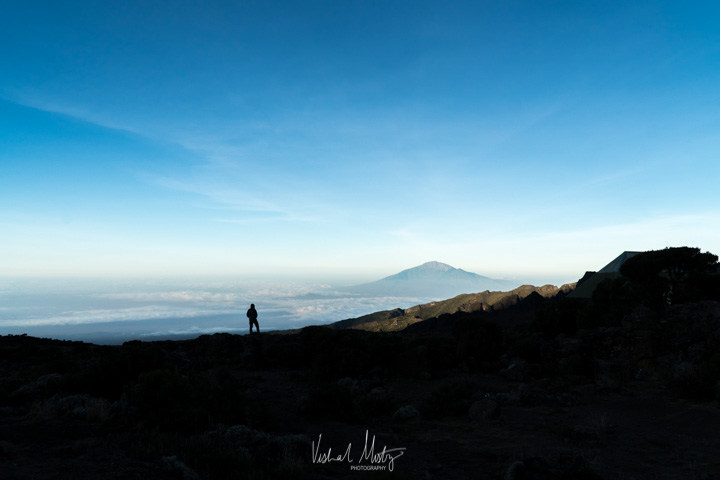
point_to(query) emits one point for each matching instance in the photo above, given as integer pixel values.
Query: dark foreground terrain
(624, 385)
(225, 406)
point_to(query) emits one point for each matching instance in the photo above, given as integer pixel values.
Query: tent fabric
(614, 266)
(609, 271)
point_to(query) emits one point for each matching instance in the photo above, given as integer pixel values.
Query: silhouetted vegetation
(479, 341)
(654, 279)
(672, 276)
(453, 398)
(561, 316)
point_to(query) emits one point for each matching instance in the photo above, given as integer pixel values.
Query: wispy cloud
(266, 219)
(76, 112)
(218, 194)
(220, 177)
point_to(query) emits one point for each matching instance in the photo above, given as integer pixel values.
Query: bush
(348, 401)
(185, 402)
(611, 301)
(670, 276)
(112, 369)
(331, 401)
(697, 382)
(478, 340)
(527, 348)
(554, 318)
(333, 354)
(577, 364)
(209, 456)
(452, 398)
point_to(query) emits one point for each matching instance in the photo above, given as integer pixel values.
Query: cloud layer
(219, 306)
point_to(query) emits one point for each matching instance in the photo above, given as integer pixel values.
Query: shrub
(577, 364)
(209, 456)
(553, 318)
(478, 340)
(111, 369)
(333, 354)
(697, 382)
(527, 348)
(185, 402)
(332, 402)
(449, 399)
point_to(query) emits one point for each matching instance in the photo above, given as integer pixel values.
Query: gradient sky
(508, 138)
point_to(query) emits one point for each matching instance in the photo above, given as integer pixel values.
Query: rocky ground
(630, 402)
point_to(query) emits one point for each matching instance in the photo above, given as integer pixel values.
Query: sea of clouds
(113, 311)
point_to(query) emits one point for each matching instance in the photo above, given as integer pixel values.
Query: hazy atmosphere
(511, 139)
(387, 239)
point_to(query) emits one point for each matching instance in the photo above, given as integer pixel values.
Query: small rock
(607, 383)
(405, 413)
(172, 464)
(368, 384)
(583, 431)
(514, 471)
(484, 409)
(568, 345)
(516, 370)
(301, 403)
(684, 370)
(378, 394)
(243, 436)
(356, 390)
(507, 398)
(346, 382)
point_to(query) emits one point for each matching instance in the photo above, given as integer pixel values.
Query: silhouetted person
(252, 317)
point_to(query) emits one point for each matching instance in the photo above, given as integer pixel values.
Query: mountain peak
(431, 279)
(435, 266)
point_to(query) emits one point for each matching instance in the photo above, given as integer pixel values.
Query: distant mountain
(431, 279)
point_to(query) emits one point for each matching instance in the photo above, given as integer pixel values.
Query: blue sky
(520, 138)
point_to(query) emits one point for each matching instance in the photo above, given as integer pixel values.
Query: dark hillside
(506, 315)
(399, 319)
